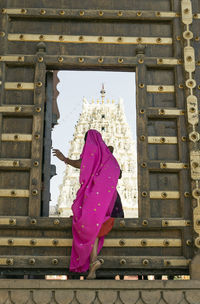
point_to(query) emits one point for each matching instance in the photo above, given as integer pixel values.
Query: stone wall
(99, 292)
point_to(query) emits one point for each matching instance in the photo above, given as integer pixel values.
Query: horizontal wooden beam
(19, 86)
(16, 163)
(169, 61)
(107, 261)
(56, 223)
(61, 242)
(164, 195)
(11, 58)
(174, 223)
(162, 140)
(14, 193)
(21, 109)
(160, 88)
(163, 112)
(16, 137)
(68, 60)
(142, 243)
(90, 39)
(90, 14)
(157, 165)
(175, 166)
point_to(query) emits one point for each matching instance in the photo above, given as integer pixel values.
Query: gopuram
(159, 40)
(109, 119)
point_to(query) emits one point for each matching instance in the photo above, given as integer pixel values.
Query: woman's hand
(59, 154)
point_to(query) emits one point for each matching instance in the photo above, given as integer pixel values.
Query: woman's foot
(92, 272)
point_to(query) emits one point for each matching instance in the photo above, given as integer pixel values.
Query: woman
(99, 173)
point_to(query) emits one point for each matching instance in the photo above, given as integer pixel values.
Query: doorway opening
(105, 101)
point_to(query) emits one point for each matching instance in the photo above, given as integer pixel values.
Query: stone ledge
(98, 292)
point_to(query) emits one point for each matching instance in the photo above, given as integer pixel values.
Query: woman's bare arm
(72, 162)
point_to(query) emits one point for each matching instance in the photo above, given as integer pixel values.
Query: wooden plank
(119, 61)
(37, 142)
(160, 88)
(1, 123)
(189, 59)
(107, 261)
(168, 61)
(192, 110)
(19, 86)
(39, 223)
(63, 59)
(3, 262)
(47, 145)
(131, 242)
(162, 140)
(185, 210)
(171, 112)
(176, 166)
(17, 109)
(175, 223)
(5, 221)
(142, 243)
(14, 193)
(2, 92)
(16, 137)
(166, 166)
(12, 58)
(195, 164)
(186, 9)
(89, 39)
(67, 59)
(9, 163)
(55, 224)
(142, 151)
(176, 262)
(88, 14)
(164, 195)
(15, 163)
(164, 112)
(143, 261)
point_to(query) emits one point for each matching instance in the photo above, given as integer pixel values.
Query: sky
(73, 86)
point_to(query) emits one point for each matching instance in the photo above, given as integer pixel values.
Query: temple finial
(103, 93)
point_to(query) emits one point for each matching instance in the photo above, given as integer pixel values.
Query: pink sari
(94, 200)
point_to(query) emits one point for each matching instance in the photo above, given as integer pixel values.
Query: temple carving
(108, 117)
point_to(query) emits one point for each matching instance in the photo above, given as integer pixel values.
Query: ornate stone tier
(110, 120)
(101, 292)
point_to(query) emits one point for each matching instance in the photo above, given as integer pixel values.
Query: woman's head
(91, 131)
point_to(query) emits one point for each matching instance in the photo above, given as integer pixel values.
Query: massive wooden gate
(158, 40)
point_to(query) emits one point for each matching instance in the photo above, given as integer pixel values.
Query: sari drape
(95, 199)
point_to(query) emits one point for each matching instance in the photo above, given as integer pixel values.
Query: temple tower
(109, 119)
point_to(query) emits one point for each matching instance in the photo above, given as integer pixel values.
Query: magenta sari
(94, 200)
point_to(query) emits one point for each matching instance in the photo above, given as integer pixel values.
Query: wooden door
(157, 39)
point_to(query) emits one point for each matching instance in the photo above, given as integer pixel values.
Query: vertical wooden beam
(3, 28)
(185, 187)
(142, 138)
(193, 118)
(2, 94)
(37, 134)
(47, 145)
(3, 51)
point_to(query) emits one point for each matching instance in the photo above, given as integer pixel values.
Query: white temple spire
(110, 120)
(103, 93)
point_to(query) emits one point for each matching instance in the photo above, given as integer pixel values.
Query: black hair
(85, 137)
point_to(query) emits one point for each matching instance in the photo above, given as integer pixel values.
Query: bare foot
(93, 267)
